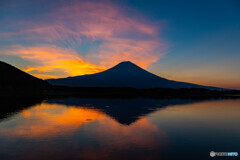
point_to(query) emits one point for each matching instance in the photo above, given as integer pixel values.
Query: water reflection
(74, 128)
(125, 111)
(44, 120)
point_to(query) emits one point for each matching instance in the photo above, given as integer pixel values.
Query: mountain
(12, 79)
(125, 74)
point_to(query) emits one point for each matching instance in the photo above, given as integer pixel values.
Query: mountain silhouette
(12, 79)
(124, 74)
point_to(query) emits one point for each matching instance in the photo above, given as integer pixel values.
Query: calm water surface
(75, 128)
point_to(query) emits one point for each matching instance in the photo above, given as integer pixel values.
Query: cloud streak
(112, 35)
(50, 59)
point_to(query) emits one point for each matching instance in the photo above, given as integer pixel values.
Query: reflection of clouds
(138, 132)
(46, 120)
(105, 27)
(114, 138)
(51, 121)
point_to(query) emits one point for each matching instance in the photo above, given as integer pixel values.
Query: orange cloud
(51, 58)
(119, 37)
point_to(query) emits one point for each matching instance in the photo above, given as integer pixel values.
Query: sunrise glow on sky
(194, 41)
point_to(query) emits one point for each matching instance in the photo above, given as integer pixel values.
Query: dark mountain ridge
(125, 74)
(124, 80)
(14, 79)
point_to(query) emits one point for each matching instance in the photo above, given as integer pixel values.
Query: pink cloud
(121, 37)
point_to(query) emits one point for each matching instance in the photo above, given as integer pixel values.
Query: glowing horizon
(59, 39)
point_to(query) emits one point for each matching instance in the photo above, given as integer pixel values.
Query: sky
(184, 40)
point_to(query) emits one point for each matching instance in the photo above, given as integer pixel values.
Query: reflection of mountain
(13, 80)
(56, 131)
(125, 111)
(125, 74)
(69, 132)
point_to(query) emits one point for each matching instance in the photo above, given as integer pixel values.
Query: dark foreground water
(75, 128)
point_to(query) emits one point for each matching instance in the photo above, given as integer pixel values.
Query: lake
(138, 128)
